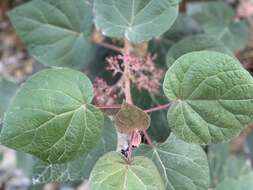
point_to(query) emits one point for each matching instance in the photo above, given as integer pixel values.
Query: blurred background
(227, 160)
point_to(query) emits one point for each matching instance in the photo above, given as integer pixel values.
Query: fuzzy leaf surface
(80, 168)
(51, 117)
(213, 97)
(113, 172)
(55, 32)
(193, 43)
(131, 118)
(182, 165)
(137, 20)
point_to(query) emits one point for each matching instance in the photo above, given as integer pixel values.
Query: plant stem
(110, 46)
(147, 137)
(109, 107)
(158, 108)
(183, 6)
(128, 95)
(127, 89)
(129, 153)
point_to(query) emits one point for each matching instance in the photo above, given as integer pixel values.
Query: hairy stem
(127, 89)
(154, 109)
(129, 153)
(147, 137)
(128, 95)
(158, 108)
(110, 46)
(109, 107)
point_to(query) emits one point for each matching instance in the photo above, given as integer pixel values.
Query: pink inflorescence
(245, 9)
(143, 73)
(103, 93)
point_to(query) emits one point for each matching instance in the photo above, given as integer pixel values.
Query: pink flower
(245, 9)
(143, 73)
(136, 138)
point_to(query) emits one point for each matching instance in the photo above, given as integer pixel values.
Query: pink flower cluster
(105, 95)
(245, 9)
(143, 73)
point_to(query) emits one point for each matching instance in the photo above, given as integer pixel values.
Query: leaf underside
(131, 118)
(213, 97)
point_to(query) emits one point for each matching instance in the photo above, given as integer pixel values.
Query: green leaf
(182, 165)
(136, 20)
(243, 183)
(114, 172)
(130, 117)
(107, 143)
(184, 26)
(212, 97)
(7, 90)
(56, 32)
(223, 164)
(195, 43)
(80, 168)
(158, 129)
(217, 19)
(52, 118)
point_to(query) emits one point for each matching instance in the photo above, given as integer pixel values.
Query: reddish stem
(109, 107)
(147, 137)
(183, 6)
(127, 89)
(129, 153)
(110, 46)
(158, 108)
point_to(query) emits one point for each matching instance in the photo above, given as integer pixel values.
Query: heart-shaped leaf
(56, 32)
(212, 97)
(52, 118)
(182, 165)
(80, 168)
(193, 43)
(131, 118)
(113, 172)
(217, 19)
(137, 20)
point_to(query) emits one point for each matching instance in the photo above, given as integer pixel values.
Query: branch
(183, 6)
(109, 107)
(110, 46)
(147, 137)
(158, 108)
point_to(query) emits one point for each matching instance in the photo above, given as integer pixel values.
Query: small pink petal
(136, 139)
